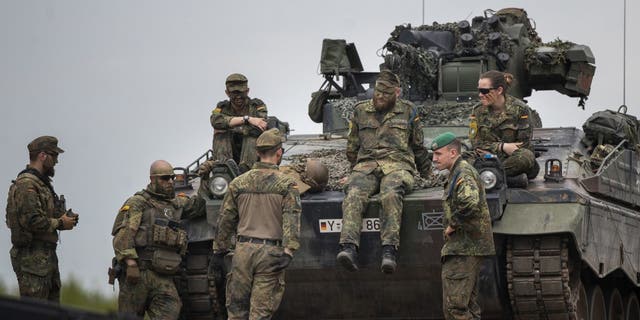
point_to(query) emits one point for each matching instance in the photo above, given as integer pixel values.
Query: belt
(258, 240)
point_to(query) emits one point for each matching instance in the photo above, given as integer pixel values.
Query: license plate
(335, 225)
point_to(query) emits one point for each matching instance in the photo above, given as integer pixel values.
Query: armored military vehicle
(566, 243)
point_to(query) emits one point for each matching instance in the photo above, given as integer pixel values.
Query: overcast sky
(122, 83)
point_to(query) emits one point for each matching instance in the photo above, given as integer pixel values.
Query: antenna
(624, 54)
(423, 12)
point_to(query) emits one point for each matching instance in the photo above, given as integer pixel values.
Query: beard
(168, 190)
(384, 104)
(49, 172)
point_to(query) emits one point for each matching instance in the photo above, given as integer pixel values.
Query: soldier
(384, 146)
(34, 214)
(149, 242)
(467, 234)
(262, 207)
(501, 125)
(237, 123)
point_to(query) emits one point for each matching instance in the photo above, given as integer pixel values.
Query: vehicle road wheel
(615, 308)
(582, 304)
(597, 308)
(632, 307)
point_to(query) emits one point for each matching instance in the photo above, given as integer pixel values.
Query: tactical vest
(161, 241)
(21, 237)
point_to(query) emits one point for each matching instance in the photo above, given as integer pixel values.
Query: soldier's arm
(353, 141)
(525, 127)
(219, 120)
(123, 240)
(227, 221)
(416, 140)
(291, 209)
(261, 109)
(32, 215)
(192, 207)
(467, 198)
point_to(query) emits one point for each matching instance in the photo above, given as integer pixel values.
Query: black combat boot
(519, 181)
(348, 256)
(388, 259)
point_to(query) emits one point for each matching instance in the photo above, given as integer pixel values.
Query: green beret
(442, 140)
(236, 82)
(269, 140)
(45, 143)
(388, 79)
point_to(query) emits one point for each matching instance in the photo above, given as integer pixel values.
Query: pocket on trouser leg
(278, 292)
(456, 291)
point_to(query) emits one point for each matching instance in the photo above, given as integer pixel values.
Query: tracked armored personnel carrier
(567, 245)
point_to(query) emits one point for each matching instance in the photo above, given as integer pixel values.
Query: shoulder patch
(260, 108)
(217, 110)
(460, 180)
(124, 208)
(182, 194)
(524, 116)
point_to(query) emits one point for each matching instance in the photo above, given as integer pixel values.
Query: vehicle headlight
(489, 179)
(219, 186)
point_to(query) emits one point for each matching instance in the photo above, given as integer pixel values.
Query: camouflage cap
(442, 140)
(269, 139)
(236, 82)
(45, 143)
(388, 79)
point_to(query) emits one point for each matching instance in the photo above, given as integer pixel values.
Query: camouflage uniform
(488, 131)
(148, 224)
(466, 211)
(33, 212)
(263, 207)
(383, 155)
(238, 143)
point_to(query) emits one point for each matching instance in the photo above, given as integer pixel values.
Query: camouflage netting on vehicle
(446, 113)
(555, 57)
(344, 107)
(339, 167)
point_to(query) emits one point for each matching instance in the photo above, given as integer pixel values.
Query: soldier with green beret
(237, 123)
(149, 242)
(385, 147)
(468, 237)
(35, 214)
(262, 207)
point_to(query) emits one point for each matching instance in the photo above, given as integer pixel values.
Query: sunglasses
(485, 90)
(167, 177)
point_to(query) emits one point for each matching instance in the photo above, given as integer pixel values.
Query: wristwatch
(246, 119)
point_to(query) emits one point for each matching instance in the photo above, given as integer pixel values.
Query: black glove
(281, 262)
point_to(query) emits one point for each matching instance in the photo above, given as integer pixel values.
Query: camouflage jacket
(33, 209)
(466, 211)
(487, 130)
(396, 143)
(129, 217)
(263, 194)
(223, 144)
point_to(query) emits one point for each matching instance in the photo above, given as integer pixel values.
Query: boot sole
(388, 268)
(345, 261)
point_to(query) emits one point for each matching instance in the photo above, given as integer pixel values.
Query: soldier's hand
(72, 214)
(510, 148)
(258, 123)
(67, 222)
(133, 272)
(343, 180)
(448, 232)
(205, 168)
(281, 262)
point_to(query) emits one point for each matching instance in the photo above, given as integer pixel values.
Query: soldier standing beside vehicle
(237, 123)
(149, 242)
(385, 144)
(263, 208)
(468, 236)
(34, 214)
(501, 125)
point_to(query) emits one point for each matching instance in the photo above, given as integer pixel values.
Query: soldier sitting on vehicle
(384, 146)
(237, 123)
(501, 125)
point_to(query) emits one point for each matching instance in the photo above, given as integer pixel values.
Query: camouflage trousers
(36, 268)
(392, 188)
(156, 294)
(253, 290)
(460, 287)
(521, 161)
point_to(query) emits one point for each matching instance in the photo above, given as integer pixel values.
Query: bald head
(160, 168)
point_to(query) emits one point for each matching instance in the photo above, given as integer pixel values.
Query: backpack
(611, 127)
(318, 99)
